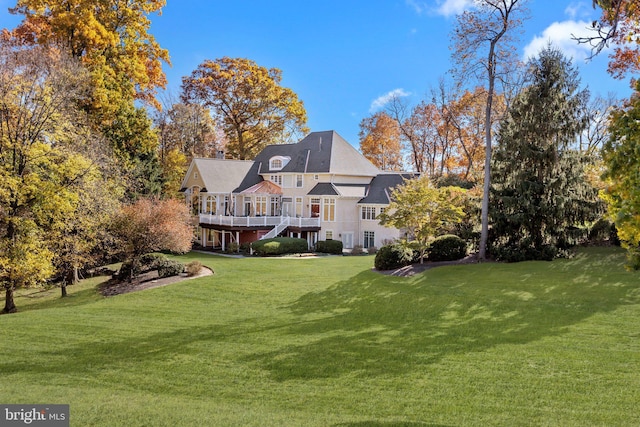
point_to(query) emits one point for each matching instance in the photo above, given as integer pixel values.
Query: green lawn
(329, 342)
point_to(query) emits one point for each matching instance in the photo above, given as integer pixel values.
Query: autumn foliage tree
(151, 225)
(39, 93)
(380, 141)
(249, 103)
(110, 37)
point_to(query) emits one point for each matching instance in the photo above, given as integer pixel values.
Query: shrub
(372, 250)
(280, 246)
(170, 268)
(193, 268)
(329, 246)
(358, 250)
(393, 256)
(152, 261)
(523, 251)
(415, 248)
(232, 248)
(604, 232)
(447, 248)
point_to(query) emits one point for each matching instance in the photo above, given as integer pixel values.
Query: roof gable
(218, 175)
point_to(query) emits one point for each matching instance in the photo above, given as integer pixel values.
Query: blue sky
(344, 57)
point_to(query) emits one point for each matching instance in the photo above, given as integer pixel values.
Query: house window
(276, 164)
(329, 211)
(328, 235)
(247, 206)
(382, 210)
(369, 239)
(368, 212)
(210, 205)
(275, 206)
(315, 207)
(261, 205)
(276, 179)
(316, 177)
(298, 181)
(298, 207)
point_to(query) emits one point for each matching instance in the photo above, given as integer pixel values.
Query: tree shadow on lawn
(368, 325)
(382, 325)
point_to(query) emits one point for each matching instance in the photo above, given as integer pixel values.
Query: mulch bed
(144, 281)
(413, 269)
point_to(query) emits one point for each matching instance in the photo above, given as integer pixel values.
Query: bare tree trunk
(484, 233)
(9, 304)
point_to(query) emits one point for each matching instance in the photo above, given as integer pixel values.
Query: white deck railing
(258, 221)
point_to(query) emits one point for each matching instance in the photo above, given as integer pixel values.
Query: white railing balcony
(258, 221)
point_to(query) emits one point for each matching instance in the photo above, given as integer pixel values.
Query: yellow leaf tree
(110, 37)
(39, 92)
(253, 109)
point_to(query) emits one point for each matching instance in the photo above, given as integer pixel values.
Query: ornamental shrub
(193, 268)
(280, 246)
(151, 261)
(329, 246)
(393, 256)
(170, 268)
(447, 248)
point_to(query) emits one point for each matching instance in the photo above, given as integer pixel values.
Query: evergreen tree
(539, 191)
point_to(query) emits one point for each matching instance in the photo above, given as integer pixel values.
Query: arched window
(276, 163)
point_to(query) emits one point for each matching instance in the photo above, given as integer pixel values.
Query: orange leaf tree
(380, 141)
(151, 225)
(254, 110)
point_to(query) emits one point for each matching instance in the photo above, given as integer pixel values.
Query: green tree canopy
(540, 192)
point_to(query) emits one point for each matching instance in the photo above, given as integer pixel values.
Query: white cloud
(383, 100)
(454, 7)
(578, 10)
(562, 36)
(445, 8)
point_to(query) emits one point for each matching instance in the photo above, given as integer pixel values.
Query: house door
(347, 240)
(287, 207)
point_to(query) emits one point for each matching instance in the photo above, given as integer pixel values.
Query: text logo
(34, 415)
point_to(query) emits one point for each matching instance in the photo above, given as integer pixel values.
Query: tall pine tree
(539, 193)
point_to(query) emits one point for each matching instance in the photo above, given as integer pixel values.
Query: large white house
(321, 188)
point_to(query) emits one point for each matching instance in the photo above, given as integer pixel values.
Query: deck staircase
(275, 231)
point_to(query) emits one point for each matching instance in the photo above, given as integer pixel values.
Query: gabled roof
(264, 187)
(318, 152)
(323, 189)
(382, 186)
(219, 175)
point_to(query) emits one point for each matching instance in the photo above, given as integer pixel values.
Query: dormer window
(276, 163)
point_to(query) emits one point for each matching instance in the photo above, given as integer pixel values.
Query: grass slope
(328, 342)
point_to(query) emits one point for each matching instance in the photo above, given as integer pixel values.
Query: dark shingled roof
(323, 189)
(381, 187)
(313, 154)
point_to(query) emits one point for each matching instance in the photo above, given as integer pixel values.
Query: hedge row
(397, 255)
(280, 246)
